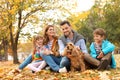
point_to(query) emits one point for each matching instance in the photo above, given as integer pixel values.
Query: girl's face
(50, 31)
(98, 38)
(39, 42)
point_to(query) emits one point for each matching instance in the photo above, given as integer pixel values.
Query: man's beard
(68, 34)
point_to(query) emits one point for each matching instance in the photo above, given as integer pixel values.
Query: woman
(52, 56)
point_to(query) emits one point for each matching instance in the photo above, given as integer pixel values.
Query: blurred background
(20, 20)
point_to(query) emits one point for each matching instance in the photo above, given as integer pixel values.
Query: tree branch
(29, 14)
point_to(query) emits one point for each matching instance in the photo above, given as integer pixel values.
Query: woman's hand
(47, 52)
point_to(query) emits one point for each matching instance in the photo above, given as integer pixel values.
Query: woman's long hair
(55, 46)
(46, 38)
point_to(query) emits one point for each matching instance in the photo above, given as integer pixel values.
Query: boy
(101, 56)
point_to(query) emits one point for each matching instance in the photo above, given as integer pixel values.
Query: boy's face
(39, 42)
(98, 38)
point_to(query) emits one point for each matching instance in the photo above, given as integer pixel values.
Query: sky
(84, 5)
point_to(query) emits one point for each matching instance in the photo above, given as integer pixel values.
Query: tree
(112, 21)
(16, 14)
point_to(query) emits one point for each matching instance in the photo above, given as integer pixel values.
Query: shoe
(33, 71)
(47, 68)
(63, 70)
(14, 71)
(103, 65)
(108, 67)
(17, 71)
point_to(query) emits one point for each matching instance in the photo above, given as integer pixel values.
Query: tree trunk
(13, 45)
(6, 53)
(5, 46)
(15, 56)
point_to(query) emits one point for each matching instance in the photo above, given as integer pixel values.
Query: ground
(6, 67)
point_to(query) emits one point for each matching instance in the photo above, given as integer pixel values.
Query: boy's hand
(100, 55)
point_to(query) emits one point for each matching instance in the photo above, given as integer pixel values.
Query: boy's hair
(65, 22)
(99, 31)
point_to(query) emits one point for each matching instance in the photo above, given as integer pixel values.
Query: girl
(38, 63)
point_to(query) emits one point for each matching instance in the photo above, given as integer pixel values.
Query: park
(21, 20)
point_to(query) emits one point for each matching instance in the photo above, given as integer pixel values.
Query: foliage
(7, 67)
(15, 15)
(104, 14)
(112, 21)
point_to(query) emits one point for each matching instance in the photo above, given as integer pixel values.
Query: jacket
(107, 47)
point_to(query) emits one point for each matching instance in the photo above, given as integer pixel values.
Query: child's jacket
(107, 47)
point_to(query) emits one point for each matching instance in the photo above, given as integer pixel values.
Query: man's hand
(77, 47)
(100, 55)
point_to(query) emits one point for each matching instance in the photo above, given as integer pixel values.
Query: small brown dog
(76, 57)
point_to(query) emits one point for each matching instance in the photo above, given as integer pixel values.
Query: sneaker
(63, 70)
(14, 71)
(17, 70)
(103, 65)
(108, 67)
(47, 68)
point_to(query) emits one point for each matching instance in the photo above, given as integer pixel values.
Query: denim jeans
(65, 62)
(54, 62)
(26, 62)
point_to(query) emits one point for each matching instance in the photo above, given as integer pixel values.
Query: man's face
(66, 29)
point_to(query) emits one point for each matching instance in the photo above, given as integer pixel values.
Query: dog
(76, 57)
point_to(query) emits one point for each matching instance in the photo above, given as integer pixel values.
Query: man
(69, 35)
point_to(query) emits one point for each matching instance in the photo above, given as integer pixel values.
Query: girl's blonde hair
(35, 38)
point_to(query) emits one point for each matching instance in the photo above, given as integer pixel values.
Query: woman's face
(50, 31)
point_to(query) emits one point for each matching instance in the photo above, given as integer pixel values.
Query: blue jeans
(54, 62)
(65, 62)
(26, 62)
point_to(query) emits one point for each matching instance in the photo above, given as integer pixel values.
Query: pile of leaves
(7, 67)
